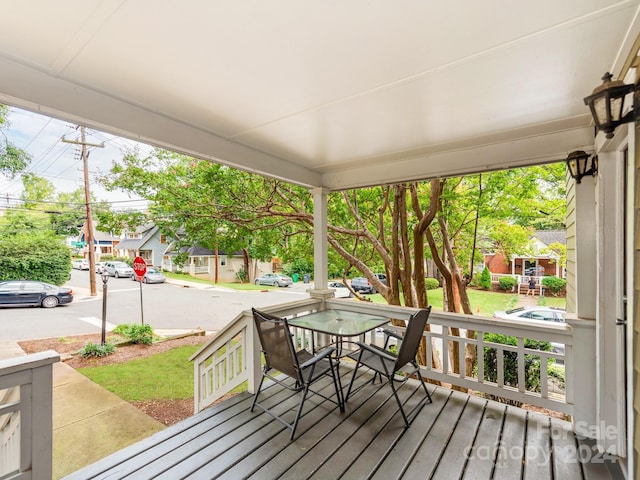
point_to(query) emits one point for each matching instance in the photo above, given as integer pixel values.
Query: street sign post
(140, 268)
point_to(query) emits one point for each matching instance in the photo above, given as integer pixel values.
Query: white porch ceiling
(335, 94)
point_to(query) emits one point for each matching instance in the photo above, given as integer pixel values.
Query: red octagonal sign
(139, 266)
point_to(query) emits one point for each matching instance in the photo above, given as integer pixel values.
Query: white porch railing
(233, 356)
(26, 429)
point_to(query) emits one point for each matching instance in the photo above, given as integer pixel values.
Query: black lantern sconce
(579, 165)
(607, 104)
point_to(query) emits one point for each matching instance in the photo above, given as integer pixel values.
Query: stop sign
(139, 266)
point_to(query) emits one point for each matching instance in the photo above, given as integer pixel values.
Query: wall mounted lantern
(607, 104)
(578, 161)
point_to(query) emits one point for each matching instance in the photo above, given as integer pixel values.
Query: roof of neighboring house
(198, 251)
(137, 243)
(103, 236)
(98, 236)
(551, 236)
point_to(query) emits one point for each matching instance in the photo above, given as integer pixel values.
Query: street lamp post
(105, 279)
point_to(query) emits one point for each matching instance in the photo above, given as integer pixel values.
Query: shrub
(556, 373)
(141, 334)
(485, 279)
(431, 283)
(507, 283)
(242, 275)
(96, 350)
(554, 284)
(510, 359)
(299, 266)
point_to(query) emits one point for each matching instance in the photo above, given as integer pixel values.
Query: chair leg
(424, 385)
(255, 397)
(353, 377)
(338, 385)
(395, 394)
(294, 425)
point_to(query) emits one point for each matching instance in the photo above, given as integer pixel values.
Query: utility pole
(87, 200)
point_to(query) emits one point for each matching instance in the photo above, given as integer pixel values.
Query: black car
(30, 292)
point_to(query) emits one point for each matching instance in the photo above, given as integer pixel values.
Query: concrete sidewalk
(89, 422)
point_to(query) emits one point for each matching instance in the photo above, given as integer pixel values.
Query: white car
(80, 264)
(99, 267)
(341, 290)
(547, 314)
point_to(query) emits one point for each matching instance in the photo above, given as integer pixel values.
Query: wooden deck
(456, 436)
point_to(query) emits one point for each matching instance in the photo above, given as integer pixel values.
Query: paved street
(165, 306)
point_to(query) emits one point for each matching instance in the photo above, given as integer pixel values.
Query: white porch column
(585, 250)
(583, 304)
(320, 245)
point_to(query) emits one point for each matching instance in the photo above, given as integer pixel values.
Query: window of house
(223, 260)
(163, 239)
(133, 235)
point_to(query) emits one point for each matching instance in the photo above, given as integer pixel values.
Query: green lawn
(482, 302)
(234, 285)
(167, 375)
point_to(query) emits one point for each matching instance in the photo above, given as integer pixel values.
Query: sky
(59, 162)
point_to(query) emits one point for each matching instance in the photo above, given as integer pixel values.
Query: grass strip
(167, 375)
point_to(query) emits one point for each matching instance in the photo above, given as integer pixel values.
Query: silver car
(118, 269)
(152, 275)
(274, 279)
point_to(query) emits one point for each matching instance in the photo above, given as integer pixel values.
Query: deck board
(507, 466)
(456, 436)
(454, 459)
(537, 451)
(483, 453)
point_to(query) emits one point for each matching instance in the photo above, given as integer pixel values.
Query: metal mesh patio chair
(281, 356)
(396, 368)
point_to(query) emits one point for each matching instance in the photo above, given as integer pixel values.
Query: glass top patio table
(341, 323)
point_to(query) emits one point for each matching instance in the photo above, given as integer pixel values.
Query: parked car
(118, 269)
(341, 290)
(100, 267)
(274, 279)
(547, 314)
(363, 285)
(34, 293)
(80, 264)
(151, 276)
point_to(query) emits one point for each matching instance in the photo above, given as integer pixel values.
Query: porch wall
(636, 304)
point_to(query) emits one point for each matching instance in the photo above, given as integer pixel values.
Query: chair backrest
(412, 337)
(276, 342)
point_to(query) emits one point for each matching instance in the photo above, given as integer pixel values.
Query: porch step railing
(26, 422)
(233, 356)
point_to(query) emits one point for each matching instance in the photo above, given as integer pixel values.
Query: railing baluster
(246, 361)
(522, 381)
(500, 361)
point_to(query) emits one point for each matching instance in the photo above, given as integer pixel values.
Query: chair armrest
(392, 333)
(323, 354)
(377, 351)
